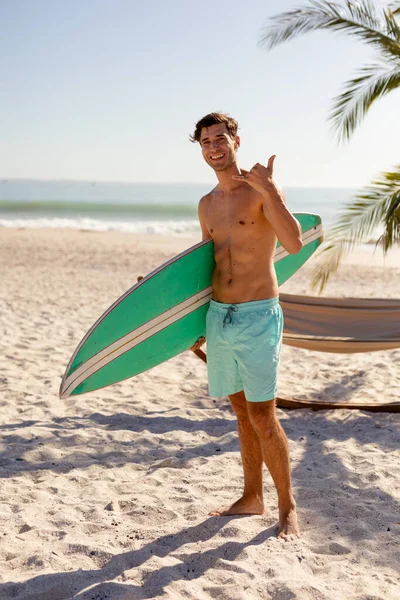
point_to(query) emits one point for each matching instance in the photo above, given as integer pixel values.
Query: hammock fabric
(343, 325)
(292, 403)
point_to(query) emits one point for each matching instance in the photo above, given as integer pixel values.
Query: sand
(106, 495)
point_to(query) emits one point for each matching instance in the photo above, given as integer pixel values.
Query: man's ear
(237, 142)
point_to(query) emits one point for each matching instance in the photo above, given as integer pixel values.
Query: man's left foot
(288, 526)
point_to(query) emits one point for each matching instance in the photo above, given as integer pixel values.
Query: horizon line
(4, 180)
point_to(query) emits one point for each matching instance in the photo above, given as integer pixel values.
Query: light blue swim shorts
(243, 348)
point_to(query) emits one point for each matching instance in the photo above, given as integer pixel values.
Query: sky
(109, 90)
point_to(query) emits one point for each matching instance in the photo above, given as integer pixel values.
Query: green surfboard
(163, 314)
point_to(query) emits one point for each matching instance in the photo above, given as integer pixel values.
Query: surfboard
(163, 314)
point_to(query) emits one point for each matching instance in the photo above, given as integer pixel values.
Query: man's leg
(275, 453)
(251, 502)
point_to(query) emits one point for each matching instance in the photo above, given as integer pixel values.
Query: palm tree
(379, 203)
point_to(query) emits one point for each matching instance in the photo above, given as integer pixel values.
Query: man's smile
(216, 156)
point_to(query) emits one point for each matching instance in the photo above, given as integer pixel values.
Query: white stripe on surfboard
(160, 322)
(308, 236)
(125, 295)
(144, 280)
(135, 337)
(157, 324)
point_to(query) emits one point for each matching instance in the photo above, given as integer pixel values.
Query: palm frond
(378, 205)
(391, 235)
(350, 108)
(394, 7)
(330, 258)
(360, 19)
(392, 25)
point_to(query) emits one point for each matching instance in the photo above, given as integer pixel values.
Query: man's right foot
(244, 506)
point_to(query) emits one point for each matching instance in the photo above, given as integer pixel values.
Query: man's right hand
(198, 344)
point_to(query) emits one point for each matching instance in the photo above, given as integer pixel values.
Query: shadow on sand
(63, 586)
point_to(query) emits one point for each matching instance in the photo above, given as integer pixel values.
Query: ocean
(162, 208)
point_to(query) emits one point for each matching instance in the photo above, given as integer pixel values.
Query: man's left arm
(285, 226)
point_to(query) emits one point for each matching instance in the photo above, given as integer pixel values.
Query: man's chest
(229, 213)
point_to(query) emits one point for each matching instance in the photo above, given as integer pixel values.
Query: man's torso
(244, 246)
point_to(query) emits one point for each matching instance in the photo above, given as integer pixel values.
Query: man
(245, 214)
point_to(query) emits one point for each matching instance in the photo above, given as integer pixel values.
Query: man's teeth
(217, 156)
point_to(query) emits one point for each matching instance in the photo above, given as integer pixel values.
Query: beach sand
(106, 495)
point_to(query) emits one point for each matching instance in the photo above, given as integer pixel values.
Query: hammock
(343, 325)
(291, 403)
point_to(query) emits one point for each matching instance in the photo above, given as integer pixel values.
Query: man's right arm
(205, 234)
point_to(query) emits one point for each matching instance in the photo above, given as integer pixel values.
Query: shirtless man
(245, 214)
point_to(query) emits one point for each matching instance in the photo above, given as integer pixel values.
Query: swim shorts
(243, 348)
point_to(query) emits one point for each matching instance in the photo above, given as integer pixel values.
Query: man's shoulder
(207, 197)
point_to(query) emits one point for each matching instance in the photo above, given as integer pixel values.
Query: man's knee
(263, 417)
(238, 402)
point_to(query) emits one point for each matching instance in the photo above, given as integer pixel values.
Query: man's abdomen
(244, 283)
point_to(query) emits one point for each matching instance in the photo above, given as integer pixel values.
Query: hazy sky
(110, 89)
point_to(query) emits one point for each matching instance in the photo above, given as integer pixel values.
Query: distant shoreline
(6, 180)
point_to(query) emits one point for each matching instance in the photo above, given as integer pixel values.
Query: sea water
(162, 208)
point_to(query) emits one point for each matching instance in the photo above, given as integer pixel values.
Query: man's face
(217, 146)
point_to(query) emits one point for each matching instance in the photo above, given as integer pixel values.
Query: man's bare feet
(244, 506)
(288, 526)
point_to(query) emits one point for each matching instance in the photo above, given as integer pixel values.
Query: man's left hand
(261, 178)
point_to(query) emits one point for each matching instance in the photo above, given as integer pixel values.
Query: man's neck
(226, 183)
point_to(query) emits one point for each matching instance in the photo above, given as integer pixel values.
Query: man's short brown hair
(213, 119)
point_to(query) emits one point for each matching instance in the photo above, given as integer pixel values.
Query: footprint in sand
(333, 549)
